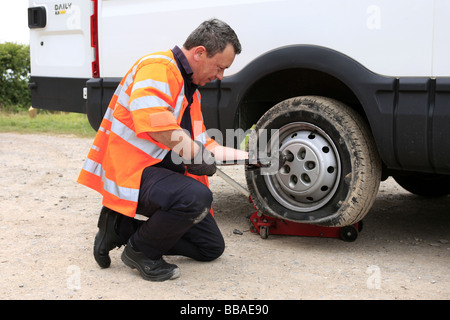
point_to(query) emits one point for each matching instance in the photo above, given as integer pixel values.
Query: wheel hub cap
(309, 178)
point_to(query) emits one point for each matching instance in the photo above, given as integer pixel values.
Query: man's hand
(203, 162)
(193, 154)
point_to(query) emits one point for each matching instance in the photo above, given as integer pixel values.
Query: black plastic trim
(99, 92)
(54, 93)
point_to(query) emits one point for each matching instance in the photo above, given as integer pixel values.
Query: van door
(61, 52)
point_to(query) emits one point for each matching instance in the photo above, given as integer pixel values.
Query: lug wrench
(236, 185)
(232, 183)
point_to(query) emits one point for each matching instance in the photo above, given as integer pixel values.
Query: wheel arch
(297, 70)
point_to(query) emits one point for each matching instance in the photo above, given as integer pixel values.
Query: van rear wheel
(333, 172)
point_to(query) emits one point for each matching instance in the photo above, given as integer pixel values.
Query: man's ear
(199, 53)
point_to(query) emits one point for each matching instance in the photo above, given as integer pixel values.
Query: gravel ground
(48, 223)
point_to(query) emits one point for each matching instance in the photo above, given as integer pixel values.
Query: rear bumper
(56, 93)
(81, 95)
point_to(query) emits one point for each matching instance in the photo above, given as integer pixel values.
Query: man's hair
(214, 35)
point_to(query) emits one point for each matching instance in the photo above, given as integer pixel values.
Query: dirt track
(48, 223)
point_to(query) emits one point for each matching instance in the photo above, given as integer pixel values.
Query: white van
(358, 90)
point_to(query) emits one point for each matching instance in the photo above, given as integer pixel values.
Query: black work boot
(106, 238)
(152, 270)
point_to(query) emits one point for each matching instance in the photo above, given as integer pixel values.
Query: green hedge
(14, 76)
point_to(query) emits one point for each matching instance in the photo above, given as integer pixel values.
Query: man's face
(208, 69)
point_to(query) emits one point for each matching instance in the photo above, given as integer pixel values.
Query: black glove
(203, 162)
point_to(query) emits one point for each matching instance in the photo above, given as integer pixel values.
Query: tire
(424, 184)
(334, 176)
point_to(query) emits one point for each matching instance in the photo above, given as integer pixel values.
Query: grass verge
(45, 122)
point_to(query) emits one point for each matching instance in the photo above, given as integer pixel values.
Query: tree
(14, 76)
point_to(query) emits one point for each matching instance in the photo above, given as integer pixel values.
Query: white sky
(14, 21)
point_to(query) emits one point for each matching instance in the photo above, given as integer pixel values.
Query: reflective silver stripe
(155, 101)
(108, 114)
(95, 148)
(149, 102)
(179, 104)
(130, 136)
(118, 89)
(124, 193)
(122, 96)
(199, 101)
(93, 167)
(123, 99)
(157, 56)
(202, 137)
(158, 85)
(104, 130)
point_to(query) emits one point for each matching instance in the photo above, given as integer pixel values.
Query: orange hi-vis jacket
(149, 98)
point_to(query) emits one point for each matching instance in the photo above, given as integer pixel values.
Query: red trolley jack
(265, 225)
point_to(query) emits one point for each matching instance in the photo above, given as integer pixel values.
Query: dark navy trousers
(179, 220)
